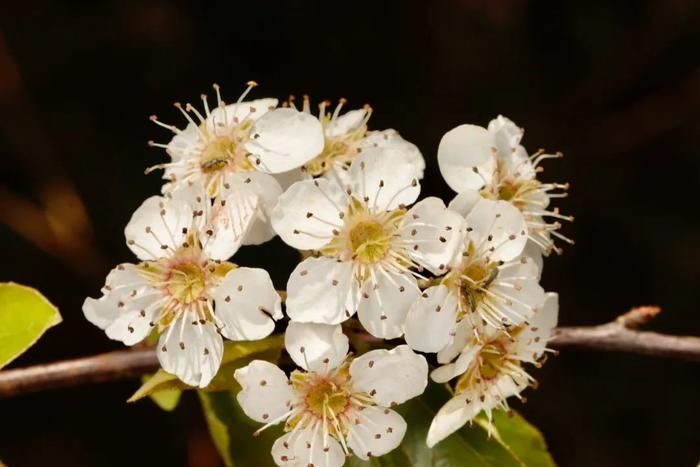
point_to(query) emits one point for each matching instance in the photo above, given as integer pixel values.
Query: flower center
(327, 398)
(492, 358)
(473, 281)
(369, 241)
(507, 191)
(187, 282)
(221, 151)
(491, 362)
(336, 150)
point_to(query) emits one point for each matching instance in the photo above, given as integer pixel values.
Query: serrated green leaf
(234, 354)
(25, 314)
(230, 428)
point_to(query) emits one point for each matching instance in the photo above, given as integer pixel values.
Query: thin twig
(620, 335)
(111, 366)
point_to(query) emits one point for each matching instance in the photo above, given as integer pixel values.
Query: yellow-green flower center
(369, 241)
(185, 279)
(491, 362)
(221, 151)
(187, 282)
(327, 398)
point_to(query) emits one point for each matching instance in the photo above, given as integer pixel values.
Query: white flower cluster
(461, 281)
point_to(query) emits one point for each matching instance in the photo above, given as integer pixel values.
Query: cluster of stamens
(531, 197)
(184, 280)
(325, 402)
(220, 145)
(494, 360)
(338, 150)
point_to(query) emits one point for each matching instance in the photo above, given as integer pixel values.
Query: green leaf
(25, 314)
(230, 428)
(166, 399)
(234, 354)
(514, 443)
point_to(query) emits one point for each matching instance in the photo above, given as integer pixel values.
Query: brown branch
(620, 335)
(109, 366)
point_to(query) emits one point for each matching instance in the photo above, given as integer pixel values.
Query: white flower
(369, 244)
(346, 136)
(183, 288)
(491, 283)
(338, 403)
(245, 141)
(493, 164)
(491, 370)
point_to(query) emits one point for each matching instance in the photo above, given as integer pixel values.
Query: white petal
(533, 251)
(381, 176)
(228, 222)
(519, 281)
(156, 227)
(287, 179)
(236, 113)
(307, 213)
(268, 191)
(498, 228)
(464, 202)
(507, 128)
(247, 304)
(306, 447)
(127, 307)
(443, 374)
(463, 150)
(383, 307)
(391, 139)
(434, 233)
(450, 418)
(316, 347)
(322, 290)
(284, 139)
(184, 145)
(533, 339)
(464, 332)
(191, 351)
(266, 394)
(379, 431)
(390, 376)
(345, 123)
(431, 320)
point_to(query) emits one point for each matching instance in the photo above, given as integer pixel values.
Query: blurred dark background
(614, 85)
